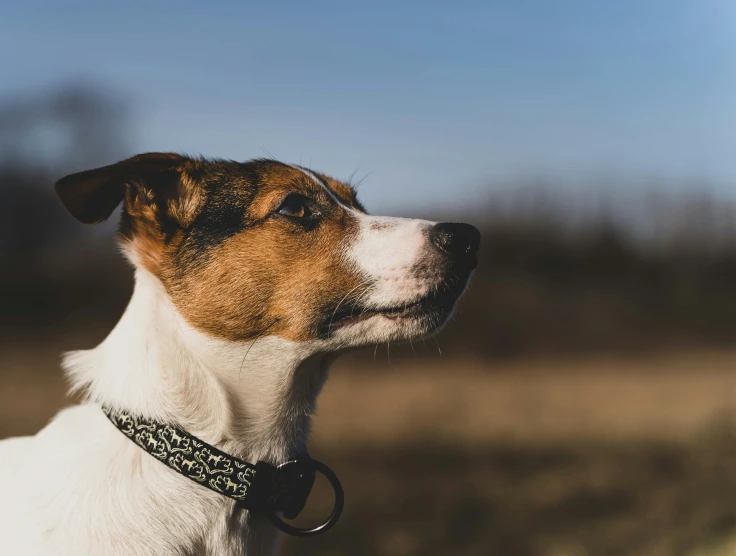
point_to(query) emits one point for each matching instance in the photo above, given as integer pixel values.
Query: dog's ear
(150, 182)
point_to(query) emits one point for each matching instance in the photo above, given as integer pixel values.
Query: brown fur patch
(266, 280)
(189, 198)
(157, 208)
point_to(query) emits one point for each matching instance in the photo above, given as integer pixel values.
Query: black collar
(260, 488)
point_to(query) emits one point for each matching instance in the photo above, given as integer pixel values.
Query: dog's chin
(414, 319)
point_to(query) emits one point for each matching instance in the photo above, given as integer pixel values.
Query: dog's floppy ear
(91, 196)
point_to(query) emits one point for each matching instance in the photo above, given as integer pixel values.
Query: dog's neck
(253, 399)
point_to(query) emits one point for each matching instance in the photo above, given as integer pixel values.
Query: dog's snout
(459, 241)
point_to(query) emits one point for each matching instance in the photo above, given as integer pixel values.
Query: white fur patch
(385, 251)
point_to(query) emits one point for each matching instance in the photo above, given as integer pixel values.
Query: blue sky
(435, 100)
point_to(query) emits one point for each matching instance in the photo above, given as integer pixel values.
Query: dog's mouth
(431, 307)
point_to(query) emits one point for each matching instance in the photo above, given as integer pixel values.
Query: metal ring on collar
(315, 465)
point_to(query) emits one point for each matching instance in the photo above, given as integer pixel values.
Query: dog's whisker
(349, 181)
(342, 300)
(357, 184)
(358, 300)
(268, 153)
(242, 363)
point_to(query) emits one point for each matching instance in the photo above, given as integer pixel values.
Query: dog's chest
(82, 488)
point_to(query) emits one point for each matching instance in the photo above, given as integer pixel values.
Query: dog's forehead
(245, 181)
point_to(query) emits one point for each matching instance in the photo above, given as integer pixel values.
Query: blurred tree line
(51, 268)
(599, 269)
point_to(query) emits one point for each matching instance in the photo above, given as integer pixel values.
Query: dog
(250, 278)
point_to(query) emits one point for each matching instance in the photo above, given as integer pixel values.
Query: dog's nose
(459, 241)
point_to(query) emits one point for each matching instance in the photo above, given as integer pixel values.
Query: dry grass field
(629, 456)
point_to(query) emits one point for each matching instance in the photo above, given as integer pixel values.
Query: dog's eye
(294, 206)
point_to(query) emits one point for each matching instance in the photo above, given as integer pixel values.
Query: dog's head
(265, 248)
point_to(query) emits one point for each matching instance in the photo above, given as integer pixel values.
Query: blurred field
(594, 456)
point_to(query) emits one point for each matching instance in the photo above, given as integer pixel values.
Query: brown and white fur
(249, 278)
